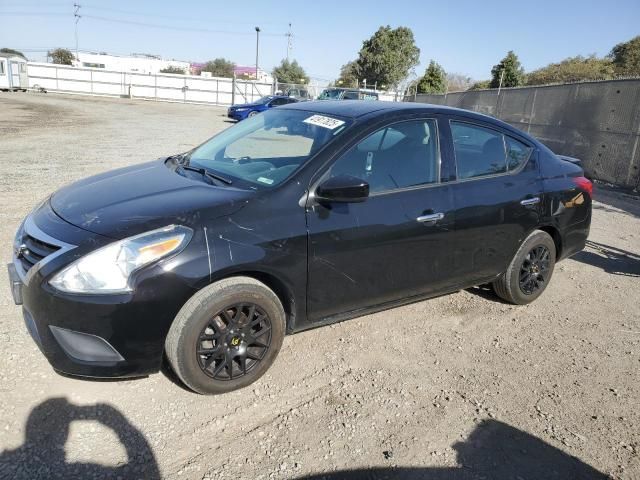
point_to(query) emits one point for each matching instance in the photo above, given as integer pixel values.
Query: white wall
(165, 87)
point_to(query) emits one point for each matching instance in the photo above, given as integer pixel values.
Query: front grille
(32, 250)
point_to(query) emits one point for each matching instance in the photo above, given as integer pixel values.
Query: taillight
(584, 184)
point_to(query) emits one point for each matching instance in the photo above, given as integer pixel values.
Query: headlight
(107, 270)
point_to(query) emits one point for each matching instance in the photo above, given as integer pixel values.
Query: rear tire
(226, 336)
(530, 270)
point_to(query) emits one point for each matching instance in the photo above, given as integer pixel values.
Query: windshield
(330, 94)
(264, 100)
(266, 149)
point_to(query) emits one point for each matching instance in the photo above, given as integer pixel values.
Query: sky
(466, 37)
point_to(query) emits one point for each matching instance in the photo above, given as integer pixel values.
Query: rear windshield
(266, 149)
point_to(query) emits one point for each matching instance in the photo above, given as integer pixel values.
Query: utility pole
(77, 16)
(257, 49)
(289, 46)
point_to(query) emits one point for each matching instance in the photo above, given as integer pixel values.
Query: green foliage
(219, 67)
(172, 69)
(626, 57)
(434, 79)
(11, 51)
(481, 85)
(513, 72)
(388, 56)
(348, 75)
(290, 72)
(572, 69)
(61, 56)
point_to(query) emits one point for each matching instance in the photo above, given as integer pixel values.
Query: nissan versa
(305, 215)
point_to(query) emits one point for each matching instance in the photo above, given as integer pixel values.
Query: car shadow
(486, 291)
(610, 259)
(495, 451)
(42, 455)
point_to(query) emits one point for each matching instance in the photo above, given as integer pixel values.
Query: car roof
(374, 108)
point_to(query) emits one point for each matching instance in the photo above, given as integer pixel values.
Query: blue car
(240, 112)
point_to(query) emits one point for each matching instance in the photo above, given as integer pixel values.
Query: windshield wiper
(207, 173)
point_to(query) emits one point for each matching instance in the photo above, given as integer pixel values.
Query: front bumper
(102, 336)
(235, 115)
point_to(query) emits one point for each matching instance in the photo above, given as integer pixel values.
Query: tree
(219, 67)
(572, 69)
(626, 57)
(434, 79)
(457, 82)
(290, 72)
(61, 56)
(348, 75)
(513, 72)
(172, 69)
(11, 51)
(481, 85)
(388, 56)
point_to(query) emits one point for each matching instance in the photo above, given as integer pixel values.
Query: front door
(15, 74)
(497, 199)
(397, 243)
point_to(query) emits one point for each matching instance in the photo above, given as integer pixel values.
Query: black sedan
(308, 214)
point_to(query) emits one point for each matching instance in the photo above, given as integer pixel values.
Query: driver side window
(400, 155)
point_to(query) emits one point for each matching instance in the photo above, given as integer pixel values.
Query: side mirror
(342, 189)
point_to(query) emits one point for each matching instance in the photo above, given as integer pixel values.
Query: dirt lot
(462, 386)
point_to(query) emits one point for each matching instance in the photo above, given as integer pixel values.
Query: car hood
(247, 105)
(135, 199)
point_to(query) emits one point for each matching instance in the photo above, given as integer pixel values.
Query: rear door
(396, 244)
(497, 197)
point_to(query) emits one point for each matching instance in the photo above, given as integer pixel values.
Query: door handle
(433, 217)
(530, 201)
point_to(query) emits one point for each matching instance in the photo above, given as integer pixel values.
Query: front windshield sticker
(325, 122)
(268, 181)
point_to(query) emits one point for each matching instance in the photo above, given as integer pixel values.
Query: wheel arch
(554, 233)
(283, 291)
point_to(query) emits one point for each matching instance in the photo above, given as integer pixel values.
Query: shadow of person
(610, 259)
(495, 451)
(43, 453)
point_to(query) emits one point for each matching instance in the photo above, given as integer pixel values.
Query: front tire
(530, 270)
(226, 336)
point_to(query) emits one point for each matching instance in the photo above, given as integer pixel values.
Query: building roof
(9, 55)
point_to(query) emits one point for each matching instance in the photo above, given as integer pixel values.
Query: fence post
(91, 80)
(533, 109)
(155, 87)
(217, 91)
(57, 86)
(233, 89)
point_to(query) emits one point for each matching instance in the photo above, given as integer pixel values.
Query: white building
(146, 64)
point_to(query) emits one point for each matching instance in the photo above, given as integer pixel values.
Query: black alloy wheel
(234, 341)
(534, 270)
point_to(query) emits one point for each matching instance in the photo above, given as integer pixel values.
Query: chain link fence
(598, 122)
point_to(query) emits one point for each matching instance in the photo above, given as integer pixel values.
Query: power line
(33, 14)
(173, 17)
(171, 27)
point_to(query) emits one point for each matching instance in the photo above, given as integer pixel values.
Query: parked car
(347, 94)
(300, 94)
(308, 214)
(246, 110)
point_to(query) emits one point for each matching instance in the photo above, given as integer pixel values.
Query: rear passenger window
(517, 153)
(479, 151)
(401, 155)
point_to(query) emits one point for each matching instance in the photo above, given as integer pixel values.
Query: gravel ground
(462, 386)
